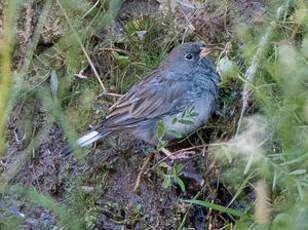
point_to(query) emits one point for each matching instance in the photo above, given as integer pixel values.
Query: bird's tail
(85, 140)
(89, 138)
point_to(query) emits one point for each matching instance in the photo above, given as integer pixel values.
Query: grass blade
(218, 207)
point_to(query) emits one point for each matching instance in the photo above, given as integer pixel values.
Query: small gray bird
(186, 78)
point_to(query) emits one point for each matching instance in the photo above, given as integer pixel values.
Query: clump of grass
(25, 87)
(82, 199)
(49, 80)
(280, 91)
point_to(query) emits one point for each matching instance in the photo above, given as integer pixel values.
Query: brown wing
(152, 97)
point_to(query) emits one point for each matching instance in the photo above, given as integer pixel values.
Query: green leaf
(122, 59)
(192, 109)
(174, 133)
(186, 122)
(178, 168)
(161, 145)
(218, 208)
(159, 171)
(241, 225)
(282, 221)
(137, 208)
(298, 172)
(194, 114)
(174, 120)
(164, 165)
(131, 28)
(152, 150)
(160, 129)
(167, 181)
(184, 112)
(180, 183)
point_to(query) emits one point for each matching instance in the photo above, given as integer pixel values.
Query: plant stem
(255, 63)
(5, 65)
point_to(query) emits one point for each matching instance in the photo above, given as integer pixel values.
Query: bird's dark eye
(188, 56)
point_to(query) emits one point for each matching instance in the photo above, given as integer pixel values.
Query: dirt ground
(105, 178)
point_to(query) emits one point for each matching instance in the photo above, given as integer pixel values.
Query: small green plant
(160, 135)
(89, 220)
(186, 118)
(137, 208)
(173, 174)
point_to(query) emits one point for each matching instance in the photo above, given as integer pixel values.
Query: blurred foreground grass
(271, 149)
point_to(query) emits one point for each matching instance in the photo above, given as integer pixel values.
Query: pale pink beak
(204, 52)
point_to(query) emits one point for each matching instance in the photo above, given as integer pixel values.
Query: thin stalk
(35, 38)
(5, 64)
(255, 63)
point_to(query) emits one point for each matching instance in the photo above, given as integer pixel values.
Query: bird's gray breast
(203, 107)
(202, 97)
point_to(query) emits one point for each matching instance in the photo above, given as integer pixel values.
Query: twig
(110, 94)
(255, 63)
(92, 67)
(178, 152)
(82, 47)
(210, 168)
(89, 11)
(141, 172)
(170, 156)
(191, 148)
(210, 227)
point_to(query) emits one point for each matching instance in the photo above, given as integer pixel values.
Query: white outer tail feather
(89, 138)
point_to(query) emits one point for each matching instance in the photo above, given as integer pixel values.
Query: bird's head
(186, 58)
